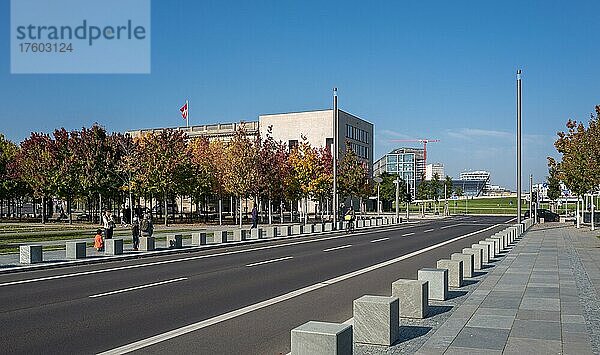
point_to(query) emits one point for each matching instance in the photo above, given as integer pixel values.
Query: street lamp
(334, 156)
(397, 182)
(519, 92)
(378, 180)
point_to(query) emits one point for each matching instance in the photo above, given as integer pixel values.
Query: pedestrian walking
(146, 226)
(109, 224)
(98, 242)
(254, 216)
(135, 232)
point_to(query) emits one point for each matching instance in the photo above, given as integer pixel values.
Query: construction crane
(424, 141)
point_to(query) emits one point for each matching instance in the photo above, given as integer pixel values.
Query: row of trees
(93, 165)
(579, 166)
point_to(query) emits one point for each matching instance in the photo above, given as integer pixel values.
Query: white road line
(336, 248)
(378, 240)
(510, 220)
(138, 287)
(428, 230)
(450, 226)
(407, 234)
(270, 261)
(238, 312)
(47, 278)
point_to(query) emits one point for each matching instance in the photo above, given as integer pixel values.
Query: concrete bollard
(30, 254)
(496, 245)
(437, 282)
(256, 233)
(198, 238)
(413, 297)
(240, 235)
(272, 232)
(220, 237)
(147, 244)
(491, 248)
(327, 226)
(360, 223)
(283, 231)
(367, 222)
(485, 252)
(75, 250)
(174, 241)
(455, 271)
(297, 229)
(318, 228)
(376, 320)
(321, 338)
(113, 247)
(308, 229)
(477, 256)
(500, 240)
(468, 263)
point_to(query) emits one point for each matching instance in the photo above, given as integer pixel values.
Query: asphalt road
(95, 308)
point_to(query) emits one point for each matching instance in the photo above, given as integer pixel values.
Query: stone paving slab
(539, 298)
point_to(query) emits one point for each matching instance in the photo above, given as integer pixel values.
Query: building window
(329, 144)
(392, 158)
(293, 143)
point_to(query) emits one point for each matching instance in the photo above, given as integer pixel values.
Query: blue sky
(416, 69)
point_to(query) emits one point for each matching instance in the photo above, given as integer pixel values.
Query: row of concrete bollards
(29, 254)
(376, 318)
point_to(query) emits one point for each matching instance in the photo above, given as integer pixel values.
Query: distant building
(435, 168)
(477, 175)
(317, 128)
(217, 131)
(409, 163)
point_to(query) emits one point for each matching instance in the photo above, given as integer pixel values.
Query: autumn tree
(164, 163)
(353, 176)
(36, 164)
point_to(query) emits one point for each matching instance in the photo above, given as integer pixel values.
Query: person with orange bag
(98, 242)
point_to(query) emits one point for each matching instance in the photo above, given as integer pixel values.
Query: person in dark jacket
(254, 216)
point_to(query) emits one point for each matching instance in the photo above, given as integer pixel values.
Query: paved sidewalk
(542, 298)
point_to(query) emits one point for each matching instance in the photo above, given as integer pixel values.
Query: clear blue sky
(416, 69)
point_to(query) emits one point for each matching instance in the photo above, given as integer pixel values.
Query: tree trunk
(240, 212)
(69, 208)
(166, 211)
(220, 211)
(270, 212)
(44, 210)
(577, 213)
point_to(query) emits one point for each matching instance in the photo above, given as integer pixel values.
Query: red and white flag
(184, 111)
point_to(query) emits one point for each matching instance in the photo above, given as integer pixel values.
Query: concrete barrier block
(198, 238)
(455, 271)
(174, 241)
(367, 222)
(75, 250)
(327, 226)
(468, 263)
(500, 242)
(437, 282)
(284, 231)
(113, 247)
(321, 338)
(491, 248)
(376, 222)
(308, 229)
(485, 252)
(256, 233)
(496, 245)
(360, 223)
(376, 320)
(272, 232)
(147, 244)
(318, 228)
(477, 256)
(30, 254)
(297, 229)
(240, 235)
(413, 297)
(385, 221)
(220, 237)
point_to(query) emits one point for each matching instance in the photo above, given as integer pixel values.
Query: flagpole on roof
(187, 120)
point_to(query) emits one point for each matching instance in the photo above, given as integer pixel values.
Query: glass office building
(408, 163)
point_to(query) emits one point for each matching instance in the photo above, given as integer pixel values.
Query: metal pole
(519, 92)
(378, 209)
(397, 198)
(407, 195)
(334, 155)
(531, 196)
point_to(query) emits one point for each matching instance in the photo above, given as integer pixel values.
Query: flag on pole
(184, 111)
